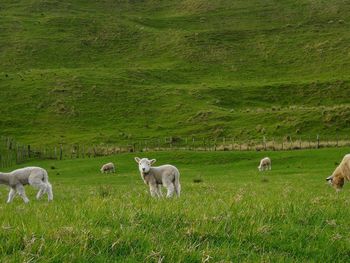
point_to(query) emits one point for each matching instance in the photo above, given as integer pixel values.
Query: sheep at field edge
(265, 164)
(35, 176)
(108, 167)
(166, 175)
(340, 174)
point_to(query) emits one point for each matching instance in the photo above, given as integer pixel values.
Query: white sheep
(35, 176)
(265, 164)
(155, 177)
(340, 174)
(108, 167)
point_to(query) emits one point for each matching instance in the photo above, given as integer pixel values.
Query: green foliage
(111, 71)
(235, 213)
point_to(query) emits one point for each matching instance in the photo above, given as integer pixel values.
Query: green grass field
(234, 214)
(110, 71)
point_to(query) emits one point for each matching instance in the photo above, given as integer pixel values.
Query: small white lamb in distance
(35, 176)
(166, 175)
(265, 164)
(108, 167)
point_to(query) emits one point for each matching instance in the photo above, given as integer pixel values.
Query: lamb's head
(144, 164)
(336, 182)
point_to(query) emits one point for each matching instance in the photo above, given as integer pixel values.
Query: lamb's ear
(329, 178)
(153, 161)
(137, 159)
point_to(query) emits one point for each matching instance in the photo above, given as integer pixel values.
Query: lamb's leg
(43, 188)
(49, 191)
(171, 190)
(22, 193)
(160, 193)
(12, 194)
(153, 190)
(177, 186)
(40, 194)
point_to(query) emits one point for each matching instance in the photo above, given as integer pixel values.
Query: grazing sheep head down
(144, 164)
(336, 182)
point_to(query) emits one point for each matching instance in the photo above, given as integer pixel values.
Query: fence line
(12, 153)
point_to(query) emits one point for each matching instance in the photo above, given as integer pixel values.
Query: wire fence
(12, 152)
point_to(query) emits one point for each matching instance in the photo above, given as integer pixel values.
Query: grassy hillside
(235, 214)
(106, 71)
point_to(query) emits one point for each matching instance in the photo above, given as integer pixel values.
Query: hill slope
(107, 71)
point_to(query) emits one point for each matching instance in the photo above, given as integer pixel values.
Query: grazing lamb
(166, 175)
(108, 167)
(35, 176)
(265, 164)
(340, 174)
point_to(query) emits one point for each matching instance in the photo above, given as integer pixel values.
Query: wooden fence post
(61, 151)
(337, 141)
(16, 156)
(318, 141)
(9, 144)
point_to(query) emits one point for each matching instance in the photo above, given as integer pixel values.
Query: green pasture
(228, 211)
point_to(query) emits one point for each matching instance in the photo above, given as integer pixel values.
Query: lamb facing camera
(156, 177)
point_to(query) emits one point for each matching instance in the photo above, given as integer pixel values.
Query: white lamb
(35, 176)
(265, 164)
(340, 174)
(108, 167)
(155, 177)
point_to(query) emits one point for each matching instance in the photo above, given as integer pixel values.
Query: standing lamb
(265, 164)
(166, 175)
(35, 176)
(340, 174)
(107, 168)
